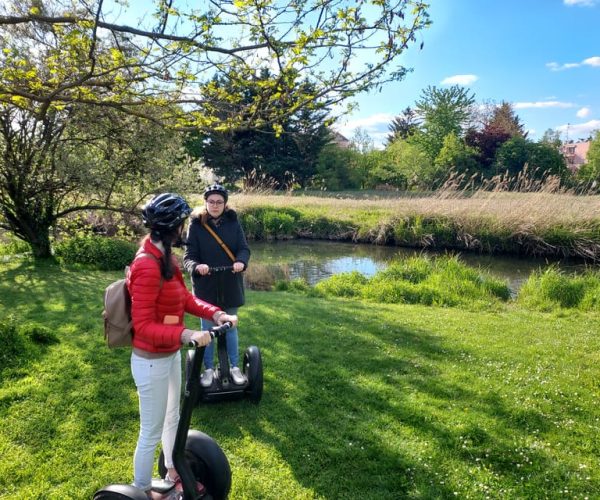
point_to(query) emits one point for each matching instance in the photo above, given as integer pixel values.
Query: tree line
(445, 137)
(98, 110)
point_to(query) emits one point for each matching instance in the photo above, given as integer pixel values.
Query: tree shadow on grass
(355, 409)
(359, 410)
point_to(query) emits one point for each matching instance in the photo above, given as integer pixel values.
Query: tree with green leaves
(259, 155)
(158, 65)
(361, 141)
(540, 159)
(442, 112)
(455, 156)
(107, 54)
(590, 170)
(499, 126)
(403, 126)
(76, 159)
(403, 165)
(552, 136)
(339, 168)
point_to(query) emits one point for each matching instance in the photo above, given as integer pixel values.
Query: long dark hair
(168, 238)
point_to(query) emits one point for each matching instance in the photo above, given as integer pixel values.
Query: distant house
(575, 154)
(339, 140)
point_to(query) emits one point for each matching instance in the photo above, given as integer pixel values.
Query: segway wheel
(254, 372)
(208, 462)
(120, 492)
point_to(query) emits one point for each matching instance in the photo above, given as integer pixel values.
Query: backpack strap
(219, 241)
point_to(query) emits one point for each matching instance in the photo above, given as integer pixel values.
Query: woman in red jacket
(159, 300)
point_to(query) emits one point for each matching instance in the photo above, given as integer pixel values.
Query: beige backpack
(118, 326)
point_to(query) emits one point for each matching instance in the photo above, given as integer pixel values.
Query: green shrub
(319, 227)
(399, 292)
(278, 225)
(418, 230)
(591, 297)
(412, 269)
(295, 285)
(342, 285)
(444, 281)
(266, 222)
(96, 251)
(553, 289)
(497, 288)
(252, 225)
(14, 246)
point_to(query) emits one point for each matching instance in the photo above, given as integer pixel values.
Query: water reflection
(317, 260)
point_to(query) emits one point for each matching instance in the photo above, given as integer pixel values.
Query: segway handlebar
(214, 332)
(220, 269)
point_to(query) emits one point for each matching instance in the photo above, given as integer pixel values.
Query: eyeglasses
(215, 203)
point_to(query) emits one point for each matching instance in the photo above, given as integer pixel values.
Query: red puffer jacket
(151, 302)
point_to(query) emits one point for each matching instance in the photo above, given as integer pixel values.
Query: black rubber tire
(120, 492)
(209, 463)
(254, 372)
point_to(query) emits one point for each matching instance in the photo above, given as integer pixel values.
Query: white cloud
(554, 66)
(584, 3)
(460, 80)
(590, 61)
(542, 104)
(583, 112)
(375, 125)
(579, 130)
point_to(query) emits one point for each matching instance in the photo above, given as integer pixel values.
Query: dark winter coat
(224, 289)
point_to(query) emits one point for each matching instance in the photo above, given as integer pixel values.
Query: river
(315, 260)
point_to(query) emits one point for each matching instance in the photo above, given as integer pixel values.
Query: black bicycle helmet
(165, 211)
(216, 189)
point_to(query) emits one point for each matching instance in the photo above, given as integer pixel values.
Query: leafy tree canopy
(590, 171)
(537, 159)
(58, 52)
(403, 125)
(500, 124)
(257, 154)
(72, 71)
(442, 112)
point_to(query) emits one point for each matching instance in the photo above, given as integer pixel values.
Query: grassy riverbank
(536, 224)
(361, 400)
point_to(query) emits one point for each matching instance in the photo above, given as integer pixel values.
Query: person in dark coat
(225, 289)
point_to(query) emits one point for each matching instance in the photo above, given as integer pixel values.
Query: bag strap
(220, 242)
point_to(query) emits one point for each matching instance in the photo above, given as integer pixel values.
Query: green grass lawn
(360, 400)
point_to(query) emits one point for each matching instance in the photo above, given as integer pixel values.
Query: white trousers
(158, 383)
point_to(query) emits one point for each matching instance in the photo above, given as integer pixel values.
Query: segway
(222, 387)
(196, 456)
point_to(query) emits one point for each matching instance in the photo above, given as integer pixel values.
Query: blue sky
(542, 56)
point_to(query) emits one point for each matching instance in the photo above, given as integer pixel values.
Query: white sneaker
(206, 379)
(237, 376)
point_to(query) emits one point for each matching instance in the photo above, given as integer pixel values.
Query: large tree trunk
(34, 228)
(40, 245)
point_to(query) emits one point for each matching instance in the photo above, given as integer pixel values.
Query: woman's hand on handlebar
(202, 338)
(224, 318)
(202, 269)
(238, 267)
